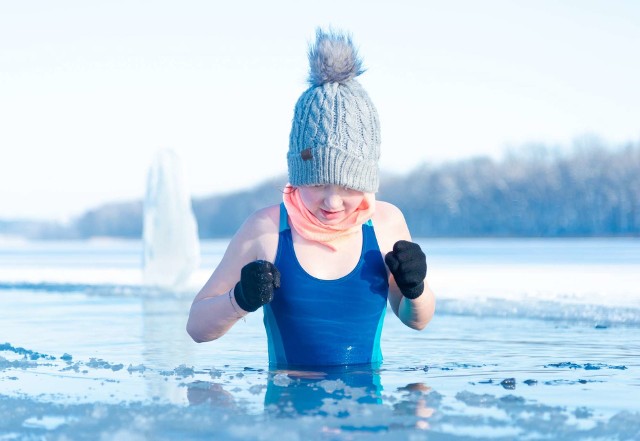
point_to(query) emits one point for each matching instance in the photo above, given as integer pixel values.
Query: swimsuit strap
(284, 224)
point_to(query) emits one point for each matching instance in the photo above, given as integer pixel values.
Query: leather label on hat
(306, 154)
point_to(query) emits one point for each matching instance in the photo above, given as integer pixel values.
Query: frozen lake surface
(532, 339)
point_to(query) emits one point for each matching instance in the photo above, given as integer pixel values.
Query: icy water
(532, 340)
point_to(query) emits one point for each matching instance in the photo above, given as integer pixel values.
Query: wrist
(239, 312)
(238, 294)
(412, 292)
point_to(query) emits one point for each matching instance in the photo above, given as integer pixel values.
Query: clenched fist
(258, 279)
(408, 264)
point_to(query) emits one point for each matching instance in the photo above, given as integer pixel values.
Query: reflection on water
(163, 318)
(304, 392)
(347, 396)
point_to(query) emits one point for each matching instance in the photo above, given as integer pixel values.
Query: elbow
(195, 333)
(417, 325)
(198, 335)
(427, 313)
(422, 320)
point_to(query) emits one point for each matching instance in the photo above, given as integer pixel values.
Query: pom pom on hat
(333, 59)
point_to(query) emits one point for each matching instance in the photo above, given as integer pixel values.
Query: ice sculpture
(170, 231)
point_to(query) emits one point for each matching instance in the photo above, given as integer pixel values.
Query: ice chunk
(44, 422)
(170, 234)
(139, 368)
(184, 371)
(282, 380)
(332, 385)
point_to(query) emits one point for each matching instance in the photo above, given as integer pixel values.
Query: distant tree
(122, 220)
(221, 215)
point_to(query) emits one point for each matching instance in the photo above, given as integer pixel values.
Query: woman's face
(330, 203)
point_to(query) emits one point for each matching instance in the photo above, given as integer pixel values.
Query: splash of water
(170, 234)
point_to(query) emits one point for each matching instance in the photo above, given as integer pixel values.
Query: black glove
(258, 279)
(408, 264)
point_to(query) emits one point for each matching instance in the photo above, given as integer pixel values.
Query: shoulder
(264, 220)
(390, 225)
(259, 233)
(257, 238)
(387, 213)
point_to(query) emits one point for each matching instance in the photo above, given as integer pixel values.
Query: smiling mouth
(331, 214)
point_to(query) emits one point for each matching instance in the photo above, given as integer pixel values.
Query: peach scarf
(309, 227)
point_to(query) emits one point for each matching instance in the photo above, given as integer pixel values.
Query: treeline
(592, 191)
(539, 192)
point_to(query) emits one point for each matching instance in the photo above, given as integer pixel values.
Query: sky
(91, 91)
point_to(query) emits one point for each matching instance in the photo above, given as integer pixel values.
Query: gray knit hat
(335, 136)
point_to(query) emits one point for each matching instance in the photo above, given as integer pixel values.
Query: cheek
(309, 198)
(353, 202)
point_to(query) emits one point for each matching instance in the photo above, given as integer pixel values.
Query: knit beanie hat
(335, 136)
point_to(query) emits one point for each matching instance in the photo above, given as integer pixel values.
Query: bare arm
(415, 313)
(211, 317)
(214, 310)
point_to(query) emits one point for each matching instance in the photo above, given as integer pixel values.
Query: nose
(332, 197)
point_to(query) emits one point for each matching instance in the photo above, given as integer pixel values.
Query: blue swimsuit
(314, 322)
